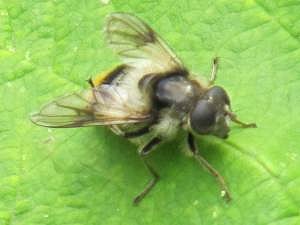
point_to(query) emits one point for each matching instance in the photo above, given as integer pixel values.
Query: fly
(147, 99)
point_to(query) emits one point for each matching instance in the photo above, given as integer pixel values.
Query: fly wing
(98, 106)
(73, 110)
(139, 46)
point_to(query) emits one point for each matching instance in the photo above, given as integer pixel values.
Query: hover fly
(147, 99)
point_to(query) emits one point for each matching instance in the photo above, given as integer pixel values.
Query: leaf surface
(89, 176)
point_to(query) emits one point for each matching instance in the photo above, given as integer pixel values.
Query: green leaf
(89, 175)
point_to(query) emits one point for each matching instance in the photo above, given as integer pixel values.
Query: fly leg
(90, 81)
(202, 161)
(234, 118)
(149, 147)
(137, 133)
(214, 69)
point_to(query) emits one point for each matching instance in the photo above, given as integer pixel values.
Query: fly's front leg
(149, 147)
(234, 118)
(214, 69)
(193, 148)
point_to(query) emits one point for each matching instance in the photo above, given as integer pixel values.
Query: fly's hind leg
(149, 186)
(149, 147)
(203, 162)
(90, 81)
(137, 133)
(214, 69)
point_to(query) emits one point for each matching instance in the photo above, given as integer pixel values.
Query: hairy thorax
(176, 93)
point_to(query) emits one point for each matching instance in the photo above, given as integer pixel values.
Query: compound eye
(203, 117)
(219, 95)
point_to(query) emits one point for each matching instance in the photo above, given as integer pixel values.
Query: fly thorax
(168, 124)
(175, 92)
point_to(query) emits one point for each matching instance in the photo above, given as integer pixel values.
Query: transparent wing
(139, 46)
(100, 106)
